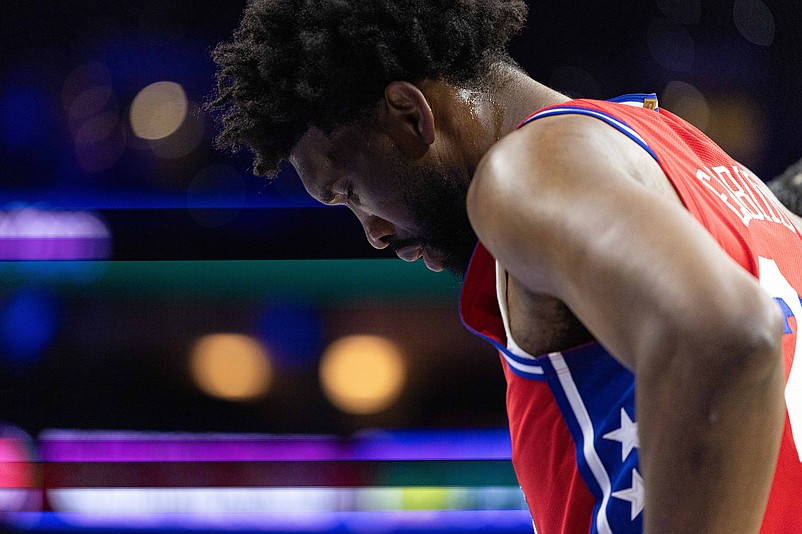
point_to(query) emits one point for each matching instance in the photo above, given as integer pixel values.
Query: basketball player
(641, 285)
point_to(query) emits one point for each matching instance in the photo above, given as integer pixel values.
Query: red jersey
(572, 414)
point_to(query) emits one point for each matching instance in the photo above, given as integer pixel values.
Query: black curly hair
(294, 64)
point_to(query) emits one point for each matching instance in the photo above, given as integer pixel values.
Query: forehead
(311, 159)
(315, 141)
(313, 145)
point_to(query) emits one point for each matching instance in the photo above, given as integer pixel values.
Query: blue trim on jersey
(633, 97)
(615, 122)
(592, 389)
(786, 311)
(529, 368)
(517, 364)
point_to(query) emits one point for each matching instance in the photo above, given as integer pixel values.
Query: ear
(408, 117)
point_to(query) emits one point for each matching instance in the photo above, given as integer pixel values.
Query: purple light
(74, 446)
(329, 489)
(161, 448)
(431, 522)
(33, 234)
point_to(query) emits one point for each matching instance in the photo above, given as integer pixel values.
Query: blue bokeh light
(29, 320)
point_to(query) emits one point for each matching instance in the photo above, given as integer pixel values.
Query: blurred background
(149, 283)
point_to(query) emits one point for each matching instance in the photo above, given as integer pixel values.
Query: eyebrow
(321, 193)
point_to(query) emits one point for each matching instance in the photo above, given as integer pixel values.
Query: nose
(377, 230)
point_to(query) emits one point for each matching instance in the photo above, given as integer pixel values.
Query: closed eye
(326, 196)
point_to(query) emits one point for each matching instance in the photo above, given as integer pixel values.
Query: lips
(415, 252)
(410, 253)
(432, 260)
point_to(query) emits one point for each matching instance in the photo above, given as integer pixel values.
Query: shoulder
(562, 152)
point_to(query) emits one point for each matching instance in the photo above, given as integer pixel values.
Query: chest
(539, 323)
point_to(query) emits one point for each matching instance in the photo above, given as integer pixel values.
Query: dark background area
(106, 343)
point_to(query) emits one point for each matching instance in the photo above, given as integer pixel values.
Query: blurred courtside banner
(378, 481)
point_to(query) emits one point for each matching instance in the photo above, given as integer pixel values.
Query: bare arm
(559, 205)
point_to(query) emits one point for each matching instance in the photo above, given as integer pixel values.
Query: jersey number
(777, 286)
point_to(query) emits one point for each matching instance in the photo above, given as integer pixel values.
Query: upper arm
(561, 207)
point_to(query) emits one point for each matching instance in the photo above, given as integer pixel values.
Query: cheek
(393, 208)
(377, 185)
(389, 185)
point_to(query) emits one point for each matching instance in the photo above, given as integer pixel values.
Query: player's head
(331, 84)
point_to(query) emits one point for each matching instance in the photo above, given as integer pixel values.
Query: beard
(437, 202)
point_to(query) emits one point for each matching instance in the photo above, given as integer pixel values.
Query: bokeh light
(754, 21)
(94, 115)
(96, 128)
(18, 472)
(739, 126)
(185, 139)
(90, 102)
(671, 45)
(87, 91)
(29, 321)
(213, 188)
(83, 88)
(99, 142)
(33, 234)
(685, 100)
(233, 367)
(158, 110)
(362, 374)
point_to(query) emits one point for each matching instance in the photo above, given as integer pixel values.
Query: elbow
(756, 338)
(710, 385)
(737, 347)
(707, 384)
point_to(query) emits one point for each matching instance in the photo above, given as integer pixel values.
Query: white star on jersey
(627, 435)
(634, 495)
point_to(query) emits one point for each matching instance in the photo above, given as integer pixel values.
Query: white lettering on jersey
(736, 187)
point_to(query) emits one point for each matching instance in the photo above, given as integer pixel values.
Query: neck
(489, 115)
(514, 96)
(474, 120)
